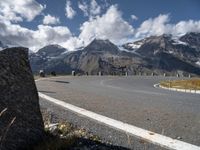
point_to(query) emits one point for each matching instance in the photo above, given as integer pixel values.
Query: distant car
(42, 74)
(53, 73)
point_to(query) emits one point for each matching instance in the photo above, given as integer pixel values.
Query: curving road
(133, 100)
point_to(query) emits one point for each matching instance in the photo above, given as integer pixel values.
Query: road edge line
(177, 90)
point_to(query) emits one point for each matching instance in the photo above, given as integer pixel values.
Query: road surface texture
(133, 100)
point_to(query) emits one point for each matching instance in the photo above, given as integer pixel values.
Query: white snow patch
(65, 52)
(129, 51)
(178, 42)
(134, 45)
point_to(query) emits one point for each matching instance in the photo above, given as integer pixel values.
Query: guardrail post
(164, 74)
(73, 73)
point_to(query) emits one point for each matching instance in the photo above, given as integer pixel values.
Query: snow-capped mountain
(150, 46)
(158, 54)
(49, 55)
(51, 51)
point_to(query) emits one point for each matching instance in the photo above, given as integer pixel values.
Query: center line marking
(149, 136)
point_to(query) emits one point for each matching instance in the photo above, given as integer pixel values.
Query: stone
(21, 124)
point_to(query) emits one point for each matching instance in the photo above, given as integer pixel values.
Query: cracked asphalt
(131, 99)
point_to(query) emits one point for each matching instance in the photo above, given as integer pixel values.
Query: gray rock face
(21, 125)
(193, 39)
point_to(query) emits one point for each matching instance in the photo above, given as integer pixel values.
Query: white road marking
(149, 136)
(177, 90)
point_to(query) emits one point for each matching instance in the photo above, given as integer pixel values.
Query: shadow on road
(86, 144)
(61, 82)
(46, 92)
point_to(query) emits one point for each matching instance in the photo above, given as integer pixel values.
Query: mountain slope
(165, 43)
(192, 39)
(48, 58)
(158, 54)
(101, 55)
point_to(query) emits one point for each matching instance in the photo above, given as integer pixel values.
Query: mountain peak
(102, 45)
(52, 50)
(54, 46)
(101, 41)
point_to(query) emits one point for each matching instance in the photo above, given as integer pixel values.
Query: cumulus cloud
(16, 10)
(161, 25)
(153, 26)
(70, 12)
(48, 19)
(105, 4)
(183, 27)
(111, 26)
(83, 7)
(95, 9)
(34, 39)
(91, 10)
(15, 35)
(133, 17)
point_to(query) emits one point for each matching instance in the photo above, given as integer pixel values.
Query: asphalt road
(133, 100)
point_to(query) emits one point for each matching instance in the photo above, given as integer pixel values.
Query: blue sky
(143, 9)
(74, 23)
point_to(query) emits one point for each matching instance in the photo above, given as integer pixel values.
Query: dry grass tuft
(191, 84)
(61, 135)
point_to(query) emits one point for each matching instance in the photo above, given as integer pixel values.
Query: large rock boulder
(21, 124)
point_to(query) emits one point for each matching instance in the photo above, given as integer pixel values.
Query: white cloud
(16, 35)
(156, 26)
(72, 44)
(105, 4)
(95, 9)
(34, 39)
(111, 26)
(161, 25)
(91, 10)
(48, 19)
(16, 10)
(70, 12)
(84, 7)
(133, 17)
(183, 27)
